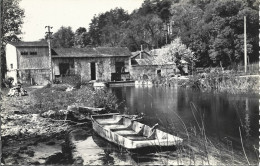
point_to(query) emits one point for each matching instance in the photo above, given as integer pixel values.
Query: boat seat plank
(142, 139)
(130, 135)
(109, 121)
(138, 138)
(121, 132)
(115, 127)
(119, 129)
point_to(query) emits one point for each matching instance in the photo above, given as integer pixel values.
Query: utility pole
(1, 24)
(166, 31)
(1, 43)
(49, 45)
(245, 47)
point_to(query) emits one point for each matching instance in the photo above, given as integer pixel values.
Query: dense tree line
(212, 29)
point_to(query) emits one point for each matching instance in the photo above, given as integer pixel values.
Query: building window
(33, 53)
(12, 66)
(24, 53)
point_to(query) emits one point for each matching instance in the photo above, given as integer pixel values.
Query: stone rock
(14, 131)
(49, 114)
(69, 89)
(72, 108)
(32, 131)
(35, 117)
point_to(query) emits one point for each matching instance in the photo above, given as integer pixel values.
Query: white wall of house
(11, 62)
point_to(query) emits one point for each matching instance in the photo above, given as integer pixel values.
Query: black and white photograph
(129, 82)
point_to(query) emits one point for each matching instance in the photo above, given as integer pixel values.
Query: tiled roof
(91, 52)
(30, 44)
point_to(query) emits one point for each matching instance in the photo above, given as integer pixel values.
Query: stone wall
(104, 67)
(138, 72)
(39, 61)
(34, 76)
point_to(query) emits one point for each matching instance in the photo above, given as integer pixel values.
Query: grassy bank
(222, 83)
(28, 138)
(55, 97)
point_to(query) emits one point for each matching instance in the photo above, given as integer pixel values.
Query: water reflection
(222, 114)
(247, 121)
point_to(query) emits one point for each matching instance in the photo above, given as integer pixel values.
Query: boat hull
(131, 134)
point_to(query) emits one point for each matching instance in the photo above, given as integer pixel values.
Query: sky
(57, 13)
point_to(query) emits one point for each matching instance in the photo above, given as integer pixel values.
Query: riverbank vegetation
(56, 97)
(220, 82)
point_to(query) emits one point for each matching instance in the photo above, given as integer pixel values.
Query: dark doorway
(158, 72)
(120, 67)
(64, 68)
(93, 70)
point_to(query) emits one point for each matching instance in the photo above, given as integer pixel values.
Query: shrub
(56, 98)
(8, 82)
(223, 82)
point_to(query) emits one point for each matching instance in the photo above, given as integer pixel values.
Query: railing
(120, 76)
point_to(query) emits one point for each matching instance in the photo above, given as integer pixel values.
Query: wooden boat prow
(130, 134)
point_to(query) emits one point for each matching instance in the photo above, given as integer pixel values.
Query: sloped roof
(148, 62)
(137, 53)
(91, 52)
(30, 44)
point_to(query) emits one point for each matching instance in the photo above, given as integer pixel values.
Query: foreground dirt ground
(28, 138)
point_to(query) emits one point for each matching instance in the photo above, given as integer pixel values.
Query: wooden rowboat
(130, 134)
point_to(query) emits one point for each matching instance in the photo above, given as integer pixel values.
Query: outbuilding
(99, 64)
(28, 63)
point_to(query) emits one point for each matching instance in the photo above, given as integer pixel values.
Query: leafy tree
(187, 23)
(176, 52)
(214, 30)
(81, 38)
(107, 28)
(11, 22)
(157, 7)
(225, 19)
(64, 37)
(146, 30)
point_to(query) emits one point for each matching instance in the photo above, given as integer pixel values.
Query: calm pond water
(221, 114)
